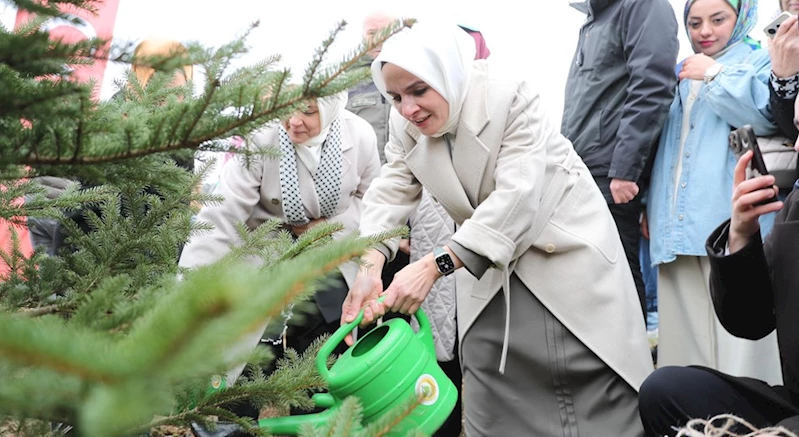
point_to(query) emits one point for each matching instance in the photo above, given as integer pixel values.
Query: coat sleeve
(650, 46)
(739, 95)
(240, 187)
(740, 286)
(501, 221)
(394, 196)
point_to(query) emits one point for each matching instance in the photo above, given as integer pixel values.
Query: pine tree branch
(206, 103)
(65, 89)
(56, 363)
(346, 66)
(309, 239)
(386, 423)
(35, 160)
(51, 8)
(310, 90)
(197, 322)
(41, 311)
(79, 131)
(319, 56)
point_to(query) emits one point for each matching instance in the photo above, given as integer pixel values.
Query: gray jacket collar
(591, 7)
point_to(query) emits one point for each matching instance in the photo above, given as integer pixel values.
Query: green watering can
(385, 368)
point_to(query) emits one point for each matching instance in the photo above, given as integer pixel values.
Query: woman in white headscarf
(552, 340)
(329, 158)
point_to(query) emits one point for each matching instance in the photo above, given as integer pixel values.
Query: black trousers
(454, 424)
(389, 270)
(627, 216)
(672, 396)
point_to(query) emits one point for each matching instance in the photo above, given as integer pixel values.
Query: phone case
(772, 27)
(743, 139)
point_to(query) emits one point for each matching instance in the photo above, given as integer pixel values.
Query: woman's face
(710, 24)
(417, 101)
(791, 6)
(304, 125)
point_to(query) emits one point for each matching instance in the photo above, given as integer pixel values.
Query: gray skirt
(553, 384)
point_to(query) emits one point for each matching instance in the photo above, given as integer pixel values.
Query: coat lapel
(454, 181)
(469, 155)
(430, 162)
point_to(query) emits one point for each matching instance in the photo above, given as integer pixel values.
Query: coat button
(550, 248)
(275, 201)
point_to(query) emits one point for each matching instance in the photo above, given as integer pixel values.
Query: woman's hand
(298, 230)
(405, 246)
(745, 194)
(367, 288)
(784, 49)
(411, 285)
(694, 66)
(644, 225)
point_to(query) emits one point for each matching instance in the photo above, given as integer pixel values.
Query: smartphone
(743, 139)
(772, 28)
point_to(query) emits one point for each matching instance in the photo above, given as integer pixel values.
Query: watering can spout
(290, 425)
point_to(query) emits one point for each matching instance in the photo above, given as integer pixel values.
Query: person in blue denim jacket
(723, 86)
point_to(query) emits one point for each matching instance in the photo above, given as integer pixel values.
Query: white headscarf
(329, 108)
(440, 54)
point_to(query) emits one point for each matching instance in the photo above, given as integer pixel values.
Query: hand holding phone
(743, 139)
(772, 27)
(751, 197)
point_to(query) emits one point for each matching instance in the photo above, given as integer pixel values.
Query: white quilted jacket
(430, 227)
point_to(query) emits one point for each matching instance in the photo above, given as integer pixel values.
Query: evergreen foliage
(108, 337)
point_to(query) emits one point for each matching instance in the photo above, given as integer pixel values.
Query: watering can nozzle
(290, 425)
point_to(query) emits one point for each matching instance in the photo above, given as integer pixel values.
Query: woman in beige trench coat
(552, 340)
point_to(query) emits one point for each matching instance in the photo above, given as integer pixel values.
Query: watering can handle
(425, 334)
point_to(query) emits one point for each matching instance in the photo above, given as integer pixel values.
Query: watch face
(445, 264)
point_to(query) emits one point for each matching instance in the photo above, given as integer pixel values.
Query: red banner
(99, 25)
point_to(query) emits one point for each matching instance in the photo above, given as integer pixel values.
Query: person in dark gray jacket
(43, 230)
(618, 93)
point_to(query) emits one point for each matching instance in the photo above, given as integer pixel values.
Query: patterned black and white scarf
(327, 179)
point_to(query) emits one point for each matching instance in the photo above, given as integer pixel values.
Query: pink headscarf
(479, 43)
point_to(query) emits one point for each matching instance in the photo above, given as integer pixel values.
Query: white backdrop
(538, 40)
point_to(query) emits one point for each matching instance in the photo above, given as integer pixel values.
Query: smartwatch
(444, 262)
